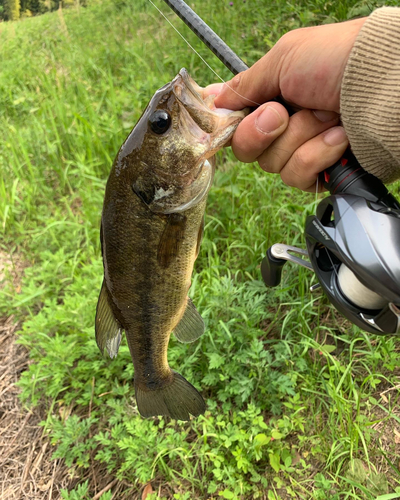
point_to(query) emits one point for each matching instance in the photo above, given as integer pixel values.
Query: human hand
(306, 67)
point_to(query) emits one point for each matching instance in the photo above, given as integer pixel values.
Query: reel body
(353, 244)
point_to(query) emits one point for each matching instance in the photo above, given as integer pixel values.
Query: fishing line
(201, 57)
(316, 189)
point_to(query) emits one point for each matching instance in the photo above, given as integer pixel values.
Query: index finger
(252, 87)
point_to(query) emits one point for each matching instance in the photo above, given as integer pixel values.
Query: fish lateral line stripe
(201, 57)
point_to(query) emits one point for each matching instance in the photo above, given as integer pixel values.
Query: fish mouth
(191, 85)
(209, 118)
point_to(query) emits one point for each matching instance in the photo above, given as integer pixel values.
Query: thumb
(257, 85)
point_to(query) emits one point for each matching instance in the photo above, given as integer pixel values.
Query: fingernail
(335, 136)
(213, 89)
(226, 92)
(269, 120)
(225, 87)
(325, 116)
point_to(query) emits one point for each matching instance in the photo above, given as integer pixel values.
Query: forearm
(370, 95)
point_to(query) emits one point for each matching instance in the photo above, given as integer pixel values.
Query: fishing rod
(353, 240)
(224, 53)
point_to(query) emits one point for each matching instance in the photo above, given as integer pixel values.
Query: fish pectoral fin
(171, 240)
(178, 400)
(107, 327)
(191, 326)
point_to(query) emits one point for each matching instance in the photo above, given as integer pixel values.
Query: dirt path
(25, 454)
(27, 471)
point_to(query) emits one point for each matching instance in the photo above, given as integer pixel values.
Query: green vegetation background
(293, 390)
(11, 10)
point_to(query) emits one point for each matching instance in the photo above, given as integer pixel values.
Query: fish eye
(159, 121)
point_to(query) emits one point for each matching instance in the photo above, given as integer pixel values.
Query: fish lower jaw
(224, 112)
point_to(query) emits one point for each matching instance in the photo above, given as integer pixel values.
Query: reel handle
(271, 269)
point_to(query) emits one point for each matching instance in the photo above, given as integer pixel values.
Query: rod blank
(224, 53)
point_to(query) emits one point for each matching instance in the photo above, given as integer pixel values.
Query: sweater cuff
(370, 95)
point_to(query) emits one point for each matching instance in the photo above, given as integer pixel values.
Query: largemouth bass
(151, 228)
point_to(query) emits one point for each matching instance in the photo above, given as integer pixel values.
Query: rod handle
(347, 176)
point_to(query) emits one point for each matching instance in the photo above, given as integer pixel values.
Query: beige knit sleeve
(370, 96)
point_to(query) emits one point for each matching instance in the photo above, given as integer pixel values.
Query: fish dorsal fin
(107, 327)
(191, 326)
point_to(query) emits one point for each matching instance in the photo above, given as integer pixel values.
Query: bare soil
(25, 454)
(27, 470)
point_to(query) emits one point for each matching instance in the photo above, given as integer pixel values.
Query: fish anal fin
(178, 400)
(171, 240)
(107, 327)
(191, 326)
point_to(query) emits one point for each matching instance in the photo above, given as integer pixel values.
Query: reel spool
(353, 245)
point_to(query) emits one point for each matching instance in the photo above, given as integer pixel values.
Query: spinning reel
(353, 246)
(353, 241)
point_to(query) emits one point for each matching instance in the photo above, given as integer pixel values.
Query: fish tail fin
(177, 400)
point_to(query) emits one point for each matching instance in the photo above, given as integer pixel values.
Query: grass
(300, 403)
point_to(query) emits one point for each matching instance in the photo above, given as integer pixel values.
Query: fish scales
(154, 304)
(152, 225)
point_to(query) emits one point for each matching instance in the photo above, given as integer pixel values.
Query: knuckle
(301, 162)
(236, 81)
(289, 179)
(297, 171)
(271, 161)
(299, 126)
(286, 40)
(265, 166)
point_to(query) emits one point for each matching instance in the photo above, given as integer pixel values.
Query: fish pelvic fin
(178, 400)
(191, 326)
(107, 327)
